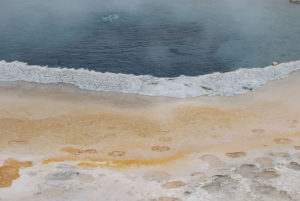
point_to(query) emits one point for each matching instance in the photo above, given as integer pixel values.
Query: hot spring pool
(163, 38)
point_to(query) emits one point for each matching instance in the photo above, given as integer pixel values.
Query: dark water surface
(164, 38)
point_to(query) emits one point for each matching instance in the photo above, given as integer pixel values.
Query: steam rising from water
(165, 38)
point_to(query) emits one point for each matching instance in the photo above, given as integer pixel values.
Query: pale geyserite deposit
(225, 84)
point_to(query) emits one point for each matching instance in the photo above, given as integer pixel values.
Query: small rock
(187, 193)
(247, 88)
(206, 88)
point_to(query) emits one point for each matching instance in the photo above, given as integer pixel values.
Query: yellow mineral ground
(9, 171)
(63, 123)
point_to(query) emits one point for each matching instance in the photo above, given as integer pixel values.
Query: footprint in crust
(258, 130)
(213, 161)
(116, 153)
(160, 148)
(173, 184)
(264, 161)
(294, 165)
(168, 199)
(199, 175)
(239, 154)
(279, 154)
(157, 175)
(282, 141)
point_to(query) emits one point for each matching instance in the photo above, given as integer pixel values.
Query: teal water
(163, 38)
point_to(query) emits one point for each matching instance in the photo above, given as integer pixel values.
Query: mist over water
(165, 38)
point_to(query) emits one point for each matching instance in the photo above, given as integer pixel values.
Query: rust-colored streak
(160, 148)
(76, 151)
(10, 171)
(17, 142)
(115, 163)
